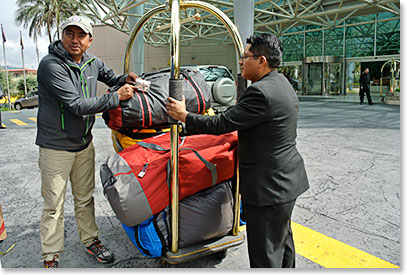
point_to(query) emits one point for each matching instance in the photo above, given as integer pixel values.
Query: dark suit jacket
(271, 169)
(364, 80)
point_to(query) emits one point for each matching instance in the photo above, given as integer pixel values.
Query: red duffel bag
(136, 180)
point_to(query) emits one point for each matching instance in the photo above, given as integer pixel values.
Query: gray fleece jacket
(67, 98)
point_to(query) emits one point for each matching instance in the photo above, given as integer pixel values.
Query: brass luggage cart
(219, 246)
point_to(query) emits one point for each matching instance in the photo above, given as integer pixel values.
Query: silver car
(222, 83)
(30, 100)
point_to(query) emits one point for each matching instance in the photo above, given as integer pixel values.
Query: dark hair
(267, 45)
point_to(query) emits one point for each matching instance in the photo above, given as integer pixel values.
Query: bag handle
(157, 147)
(152, 146)
(211, 167)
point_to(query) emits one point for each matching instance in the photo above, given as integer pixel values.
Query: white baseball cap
(79, 21)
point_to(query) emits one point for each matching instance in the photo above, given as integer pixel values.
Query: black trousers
(269, 236)
(362, 93)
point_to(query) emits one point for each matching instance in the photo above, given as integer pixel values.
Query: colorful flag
(2, 32)
(21, 41)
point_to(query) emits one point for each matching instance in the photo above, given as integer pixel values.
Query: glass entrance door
(333, 78)
(314, 78)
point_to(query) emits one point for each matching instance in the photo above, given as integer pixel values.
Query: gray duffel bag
(147, 109)
(205, 215)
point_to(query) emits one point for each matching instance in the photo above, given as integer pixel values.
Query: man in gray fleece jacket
(67, 79)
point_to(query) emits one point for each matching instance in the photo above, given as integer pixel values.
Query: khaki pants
(3, 234)
(56, 166)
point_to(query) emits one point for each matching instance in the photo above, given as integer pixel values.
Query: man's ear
(90, 40)
(263, 60)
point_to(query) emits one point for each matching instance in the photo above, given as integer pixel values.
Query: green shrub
(31, 80)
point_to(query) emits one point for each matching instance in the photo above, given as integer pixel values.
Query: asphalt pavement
(352, 156)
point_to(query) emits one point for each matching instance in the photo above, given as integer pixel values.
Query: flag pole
(5, 65)
(22, 58)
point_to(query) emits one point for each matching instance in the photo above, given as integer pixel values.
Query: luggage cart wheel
(221, 254)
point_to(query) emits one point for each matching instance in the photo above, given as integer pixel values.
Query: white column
(244, 17)
(244, 20)
(137, 52)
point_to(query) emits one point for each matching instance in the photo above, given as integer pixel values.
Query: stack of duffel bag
(144, 115)
(136, 180)
(136, 184)
(205, 215)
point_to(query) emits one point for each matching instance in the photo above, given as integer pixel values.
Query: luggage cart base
(216, 245)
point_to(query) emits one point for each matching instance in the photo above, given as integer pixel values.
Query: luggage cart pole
(177, 255)
(236, 220)
(175, 91)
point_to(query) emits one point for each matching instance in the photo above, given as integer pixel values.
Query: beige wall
(156, 58)
(109, 44)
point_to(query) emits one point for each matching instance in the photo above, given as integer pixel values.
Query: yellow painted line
(14, 112)
(98, 116)
(33, 119)
(18, 122)
(331, 253)
(2, 124)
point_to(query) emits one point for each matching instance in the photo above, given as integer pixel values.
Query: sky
(12, 45)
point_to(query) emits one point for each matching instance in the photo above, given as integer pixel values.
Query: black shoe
(371, 103)
(52, 263)
(101, 253)
(361, 103)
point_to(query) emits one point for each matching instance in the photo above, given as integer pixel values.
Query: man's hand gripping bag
(147, 109)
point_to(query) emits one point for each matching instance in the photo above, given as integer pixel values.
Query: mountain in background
(10, 67)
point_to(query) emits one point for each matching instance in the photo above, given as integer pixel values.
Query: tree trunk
(49, 33)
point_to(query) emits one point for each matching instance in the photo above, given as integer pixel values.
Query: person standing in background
(364, 82)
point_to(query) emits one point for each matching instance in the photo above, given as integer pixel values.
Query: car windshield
(213, 73)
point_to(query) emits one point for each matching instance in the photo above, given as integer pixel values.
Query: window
(213, 73)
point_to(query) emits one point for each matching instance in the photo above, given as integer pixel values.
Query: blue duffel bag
(148, 236)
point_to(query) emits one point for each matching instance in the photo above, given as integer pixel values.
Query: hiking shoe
(101, 253)
(52, 263)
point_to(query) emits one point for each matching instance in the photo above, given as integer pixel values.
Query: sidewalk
(352, 157)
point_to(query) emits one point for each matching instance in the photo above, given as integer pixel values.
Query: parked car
(222, 83)
(30, 100)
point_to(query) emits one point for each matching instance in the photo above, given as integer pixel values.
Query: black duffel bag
(147, 109)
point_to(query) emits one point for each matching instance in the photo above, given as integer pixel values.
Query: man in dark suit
(364, 82)
(272, 172)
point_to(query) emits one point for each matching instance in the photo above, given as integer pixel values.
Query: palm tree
(47, 14)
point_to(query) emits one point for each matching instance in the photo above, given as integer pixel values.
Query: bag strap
(211, 167)
(157, 147)
(159, 233)
(169, 178)
(138, 243)
(144, 109)
(199, 96)
(152, 146)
